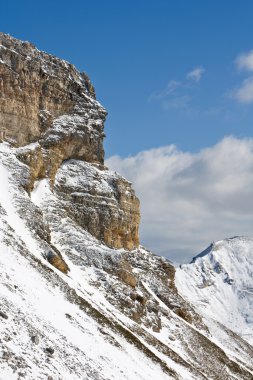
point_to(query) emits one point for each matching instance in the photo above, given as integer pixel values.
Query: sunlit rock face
(100, 201)
(48, 110)
(36, 88)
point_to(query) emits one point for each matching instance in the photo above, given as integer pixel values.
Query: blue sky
(177, 80)
(133, 50)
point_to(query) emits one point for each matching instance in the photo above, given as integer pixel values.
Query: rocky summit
(49, 109)
(80, 297)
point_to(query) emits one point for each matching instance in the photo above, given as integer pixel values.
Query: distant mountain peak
(220, 281)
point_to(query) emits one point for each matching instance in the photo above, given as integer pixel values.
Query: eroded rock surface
(100, 201)
(48, 110)
(36, 88)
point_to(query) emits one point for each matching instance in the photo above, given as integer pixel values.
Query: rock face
(36, 88)
(49, 111)
(100, 201)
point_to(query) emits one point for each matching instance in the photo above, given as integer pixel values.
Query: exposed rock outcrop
(100, 201)
(36, 88)
(57, 261)
(49, 111)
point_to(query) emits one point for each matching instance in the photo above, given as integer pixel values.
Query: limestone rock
(58, 262)
(3, 315)
(35, 339)
(34, 84)
(45, 99)
(48, 110)
(125, 273)
(100, 201)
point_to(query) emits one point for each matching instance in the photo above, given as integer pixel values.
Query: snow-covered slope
(94, 322)
(45, 329)
(79, 297)
(219, 282)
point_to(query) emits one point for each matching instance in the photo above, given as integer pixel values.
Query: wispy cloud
(245, 61)
(178, 93)
(189, 200)
(170, 89)
(196, 74)
(244, 93)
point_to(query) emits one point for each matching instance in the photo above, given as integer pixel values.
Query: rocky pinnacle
(49, 113)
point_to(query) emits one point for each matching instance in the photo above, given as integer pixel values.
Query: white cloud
(244, 94)
(189, 200)
(196, 74)
(245, 61)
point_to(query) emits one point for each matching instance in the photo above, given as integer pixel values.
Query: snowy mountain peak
(220, 282)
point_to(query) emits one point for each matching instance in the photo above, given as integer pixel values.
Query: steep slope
(47, 329)
(219, 282)
(127, 298)
(80, 299)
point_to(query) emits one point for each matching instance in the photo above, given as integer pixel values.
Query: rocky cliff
(79, 298)
(49, 108)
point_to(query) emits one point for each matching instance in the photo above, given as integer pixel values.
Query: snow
(48, 309)
(7, 201)
(220, 284)
(45, 307)
(35, 295)
(40, 192)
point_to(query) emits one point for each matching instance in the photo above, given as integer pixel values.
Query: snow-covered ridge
(94, 322)
(219, 282)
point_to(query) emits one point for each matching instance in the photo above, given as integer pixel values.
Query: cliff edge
(48, 109)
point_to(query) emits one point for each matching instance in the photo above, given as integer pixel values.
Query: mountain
(80, 297)
(219, 282)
